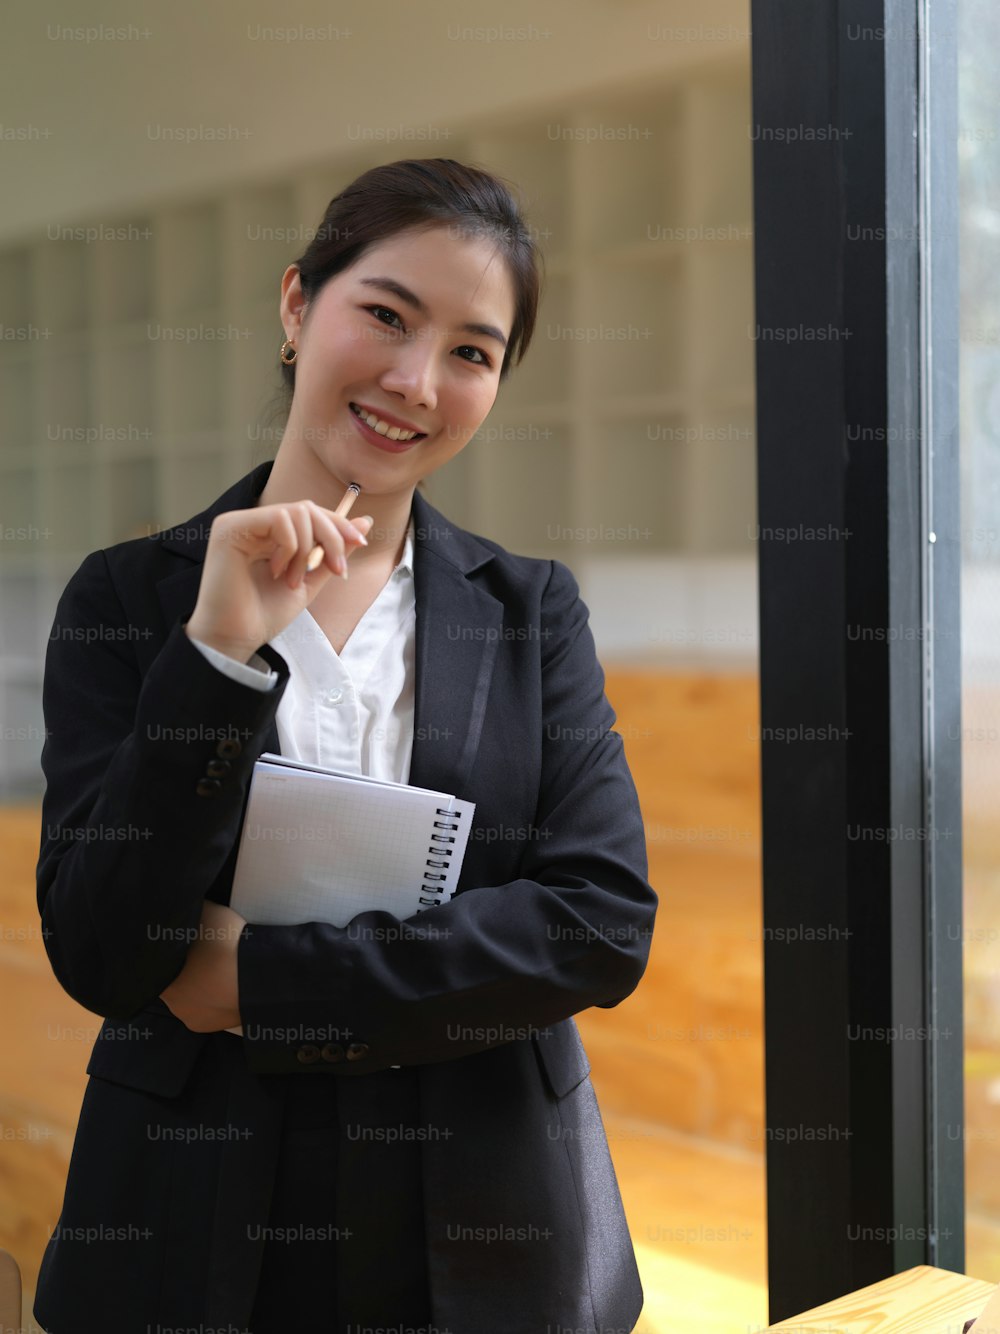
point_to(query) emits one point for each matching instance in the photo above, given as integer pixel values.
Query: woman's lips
(382, 441)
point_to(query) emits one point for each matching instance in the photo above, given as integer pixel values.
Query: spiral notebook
(319, 845)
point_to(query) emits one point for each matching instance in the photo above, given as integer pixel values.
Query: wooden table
(923, 1300)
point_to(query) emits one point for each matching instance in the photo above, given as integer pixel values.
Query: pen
(343, 509)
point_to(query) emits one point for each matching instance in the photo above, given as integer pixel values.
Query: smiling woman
(406, 1118)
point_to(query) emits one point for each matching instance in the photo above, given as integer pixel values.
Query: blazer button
(331, 1052)
(308, 1054)
(207, 787)
(357, 1050)
(216, 768)
(228, 748)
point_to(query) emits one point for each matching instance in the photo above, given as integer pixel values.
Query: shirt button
(333, 696)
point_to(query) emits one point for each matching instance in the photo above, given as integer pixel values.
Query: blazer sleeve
(496, 962)
(146, 778)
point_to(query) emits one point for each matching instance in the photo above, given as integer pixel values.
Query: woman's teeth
(383, 428)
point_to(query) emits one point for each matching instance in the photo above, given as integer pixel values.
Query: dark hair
(421, 193)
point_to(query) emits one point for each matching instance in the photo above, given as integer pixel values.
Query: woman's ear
(293, 302)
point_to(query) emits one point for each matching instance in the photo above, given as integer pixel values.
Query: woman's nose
(412, 373)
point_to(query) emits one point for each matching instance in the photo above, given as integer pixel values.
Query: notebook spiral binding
(430, 876)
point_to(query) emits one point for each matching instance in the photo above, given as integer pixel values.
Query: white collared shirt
(351, 711)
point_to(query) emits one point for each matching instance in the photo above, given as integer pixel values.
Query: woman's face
(393, 334)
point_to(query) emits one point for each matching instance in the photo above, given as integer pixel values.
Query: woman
(405, 1134)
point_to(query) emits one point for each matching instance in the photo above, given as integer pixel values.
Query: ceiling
(152, 100)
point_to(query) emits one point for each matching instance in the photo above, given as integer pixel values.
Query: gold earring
(288, 361)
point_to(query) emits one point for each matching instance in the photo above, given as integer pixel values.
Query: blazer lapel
(458, 627)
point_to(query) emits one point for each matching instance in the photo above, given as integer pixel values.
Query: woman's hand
(204, 995)
(254, 580)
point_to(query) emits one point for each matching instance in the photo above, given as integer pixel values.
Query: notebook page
(319, 847)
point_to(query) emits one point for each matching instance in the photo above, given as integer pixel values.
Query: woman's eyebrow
(404, 294)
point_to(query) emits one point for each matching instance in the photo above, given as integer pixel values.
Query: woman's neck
(297, 478)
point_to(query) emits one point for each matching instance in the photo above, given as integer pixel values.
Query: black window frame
(856, 269)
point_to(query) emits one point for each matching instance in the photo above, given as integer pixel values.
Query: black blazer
(148, 757)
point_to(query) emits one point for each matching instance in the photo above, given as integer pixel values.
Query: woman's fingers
(337, 536)
(284, 536)
(277, 532)
(295, 529)
(302, 521)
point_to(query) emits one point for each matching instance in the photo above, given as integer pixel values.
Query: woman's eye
(485, 361)
(378, 311)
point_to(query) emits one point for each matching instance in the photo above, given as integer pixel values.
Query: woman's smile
(382, 432)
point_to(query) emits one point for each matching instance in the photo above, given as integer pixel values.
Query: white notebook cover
(318, 845)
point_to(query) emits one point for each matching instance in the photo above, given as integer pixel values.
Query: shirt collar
(406, 559)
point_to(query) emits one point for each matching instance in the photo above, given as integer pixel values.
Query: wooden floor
(696, 1215)
(677, 1067)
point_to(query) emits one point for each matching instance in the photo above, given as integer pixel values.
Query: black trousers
(345, 1241)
